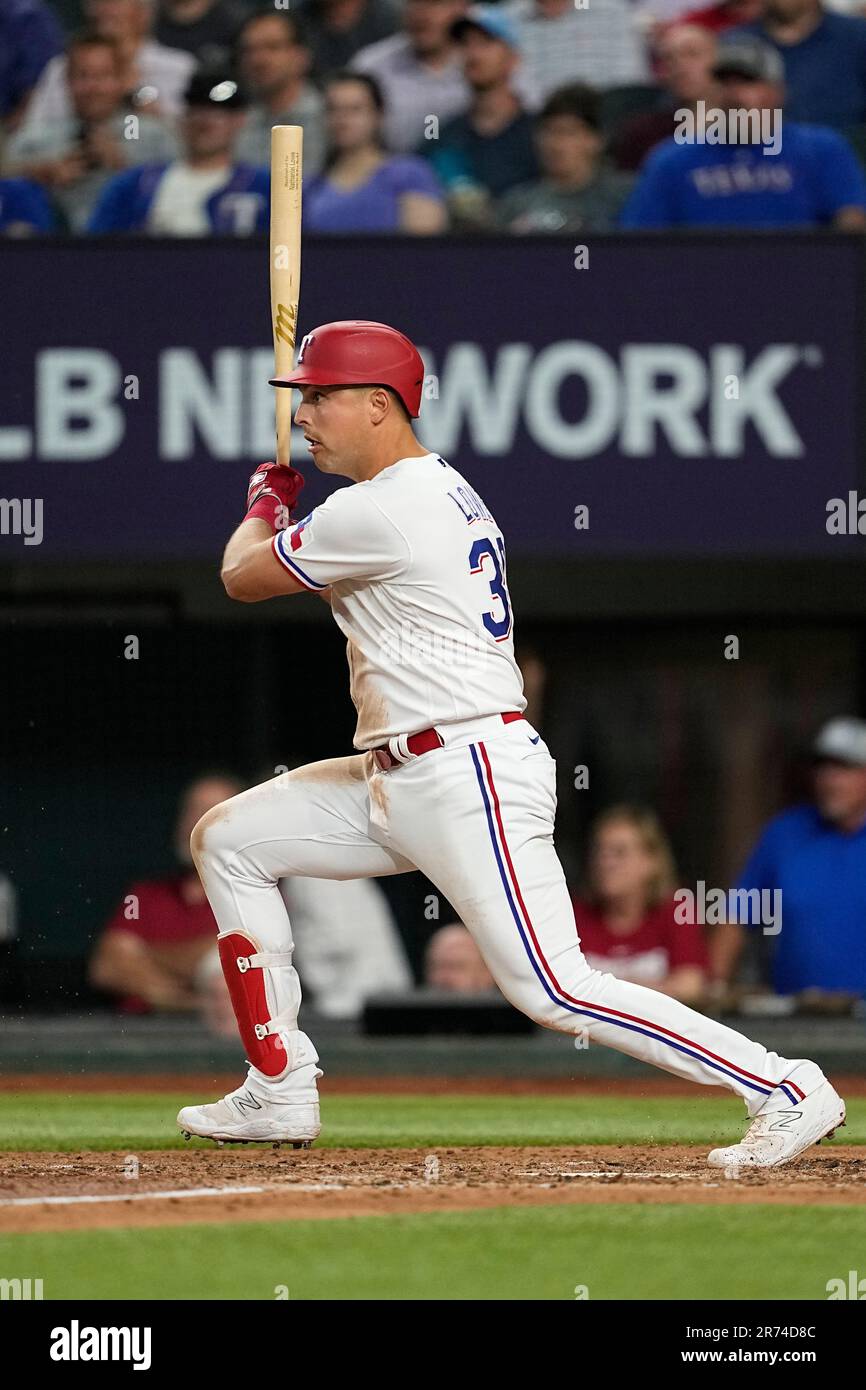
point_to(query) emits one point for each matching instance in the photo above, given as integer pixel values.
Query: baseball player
(448, 778)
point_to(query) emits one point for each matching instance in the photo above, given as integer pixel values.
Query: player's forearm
(726, 948)
(245, 567)
(123, 966)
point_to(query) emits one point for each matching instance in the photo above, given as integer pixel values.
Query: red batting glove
(273, 492)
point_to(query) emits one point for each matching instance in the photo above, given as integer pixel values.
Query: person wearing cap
(824, 58)
(745, 165)
(598, 41)
(490, 149)
(815, 856)
(74, 158)
(203, 192)
(577, 191)
(419, 71)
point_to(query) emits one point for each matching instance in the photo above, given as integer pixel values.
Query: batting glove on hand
(273, 492)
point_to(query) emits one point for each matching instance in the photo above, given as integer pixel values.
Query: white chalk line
(79, 1199)
(173, 1194)
(615, 1173)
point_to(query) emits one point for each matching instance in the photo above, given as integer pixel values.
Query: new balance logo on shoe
(247, 1101)
(788, 1120)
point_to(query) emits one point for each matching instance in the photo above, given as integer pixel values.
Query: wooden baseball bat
(287, 161)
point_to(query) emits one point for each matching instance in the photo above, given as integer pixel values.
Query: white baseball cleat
(777, 1136)
(248, 1117)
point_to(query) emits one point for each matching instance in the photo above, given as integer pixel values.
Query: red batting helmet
(355, 352)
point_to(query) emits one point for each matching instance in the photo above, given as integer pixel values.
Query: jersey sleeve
(347, 537)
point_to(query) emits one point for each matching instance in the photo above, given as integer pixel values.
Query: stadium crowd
(428, 116)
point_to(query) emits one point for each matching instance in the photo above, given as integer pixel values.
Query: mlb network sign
(696, 392)
(87, 405)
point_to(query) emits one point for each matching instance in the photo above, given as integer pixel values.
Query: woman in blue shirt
(363, 188)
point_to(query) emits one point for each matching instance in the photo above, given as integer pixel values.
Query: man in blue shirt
(815, 856)
(745, 165)
(824, 57)
(205, 191)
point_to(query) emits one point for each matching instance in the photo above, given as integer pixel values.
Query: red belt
(424, 742)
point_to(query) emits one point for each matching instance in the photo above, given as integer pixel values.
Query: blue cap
(490, 19)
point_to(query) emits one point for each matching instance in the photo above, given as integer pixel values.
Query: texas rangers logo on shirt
(296, 539)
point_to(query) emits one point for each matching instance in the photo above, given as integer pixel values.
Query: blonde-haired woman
(625, 919)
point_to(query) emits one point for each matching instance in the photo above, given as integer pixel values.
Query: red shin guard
(243, 966)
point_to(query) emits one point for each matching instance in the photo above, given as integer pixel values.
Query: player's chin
(321, 457)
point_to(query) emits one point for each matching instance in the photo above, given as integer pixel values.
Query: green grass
(47, 1121)
(616, 1252)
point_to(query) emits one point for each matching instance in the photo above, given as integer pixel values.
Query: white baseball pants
(476, 816)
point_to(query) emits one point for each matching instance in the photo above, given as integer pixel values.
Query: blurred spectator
(729, 14)
(362, 188)
(347, 946)
(576, 191)
(338, 29)
(811, 179)
(203, 192)
(30, 37)
(205, 28)
(419, 71)
(156, 949)
(560, 42)
(685, 61)
(24, 208)
(824, 55)
(481, 155)
(452, 962)
(75, 158)
(154, 76)
(274, 62)
(814, 855)
(626, 922)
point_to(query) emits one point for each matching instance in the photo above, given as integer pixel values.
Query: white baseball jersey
(416, 567)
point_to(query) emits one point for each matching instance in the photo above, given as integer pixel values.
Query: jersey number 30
(483, 559)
